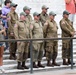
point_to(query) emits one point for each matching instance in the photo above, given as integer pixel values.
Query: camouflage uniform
(21, 31)
(13, 18)
(43, 18)
(50, 28)
(37, 32)
(67, 28)
(28, 20)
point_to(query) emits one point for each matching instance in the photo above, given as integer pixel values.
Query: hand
(8, 19)
(11, 34)
(72, 33)
(3, 30)
(18, 43)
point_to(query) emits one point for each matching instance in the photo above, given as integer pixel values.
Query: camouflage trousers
(12, 46)
(22, 51)
(66, 44)
(51, 50)
(37, 51)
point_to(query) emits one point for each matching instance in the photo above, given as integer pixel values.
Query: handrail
(15, 40)
(31, 51)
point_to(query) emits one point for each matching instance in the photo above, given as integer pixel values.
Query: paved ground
(56, 72)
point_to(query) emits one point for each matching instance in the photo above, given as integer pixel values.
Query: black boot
(14, 55)
(54, 63)
(64, 62)
(23, 65)
(69, 61)
(19, 66)
(34, 65)
(49, 63)
(40, 65)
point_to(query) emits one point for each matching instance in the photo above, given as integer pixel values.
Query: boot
(49, 64)
(19, 66)
(69, 61)
(40, 65)
(54, 63)
(14, 55)
(34, 65)
(64, 62)
(23, 65)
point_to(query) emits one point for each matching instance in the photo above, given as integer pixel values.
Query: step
(14, 66)
(39, 69)
(6, 56)
(7, 62)
(14, 70)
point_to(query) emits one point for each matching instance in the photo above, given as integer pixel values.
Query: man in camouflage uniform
(21, 32)
(67, 31)
(36, 31)
(44, 15)
(43, 18)
(50, 29)
(26, 9)
(13, 17)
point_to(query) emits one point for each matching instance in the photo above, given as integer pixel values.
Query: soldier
(44, 15)
(67, 31)
(50, 29)
(43, 18)
(26, 9)
(21, 32)
(13, 17)
(28, 16)
(36, 31)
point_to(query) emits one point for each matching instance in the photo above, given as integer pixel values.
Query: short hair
(7, 1)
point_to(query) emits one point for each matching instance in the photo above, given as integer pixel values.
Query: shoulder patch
(31, 26)
(46, 23)
(63, 22)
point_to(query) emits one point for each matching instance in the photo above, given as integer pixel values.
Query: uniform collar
(66, 19)
(51, 20)
(36, 21)
(13, 12)
(44, 14)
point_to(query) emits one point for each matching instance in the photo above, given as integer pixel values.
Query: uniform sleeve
(45, 28)
(64, 27)
(30, 19)
(10, 28)
(31, 29)
(16, 31)
(42, 19)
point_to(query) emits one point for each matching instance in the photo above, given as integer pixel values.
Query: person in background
(2, 34)
(13, 17)
(44, 15)
(70, 7)
(5, 11)
(43, 18)
(26, 9)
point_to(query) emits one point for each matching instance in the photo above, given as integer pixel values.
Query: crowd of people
(42, 26)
